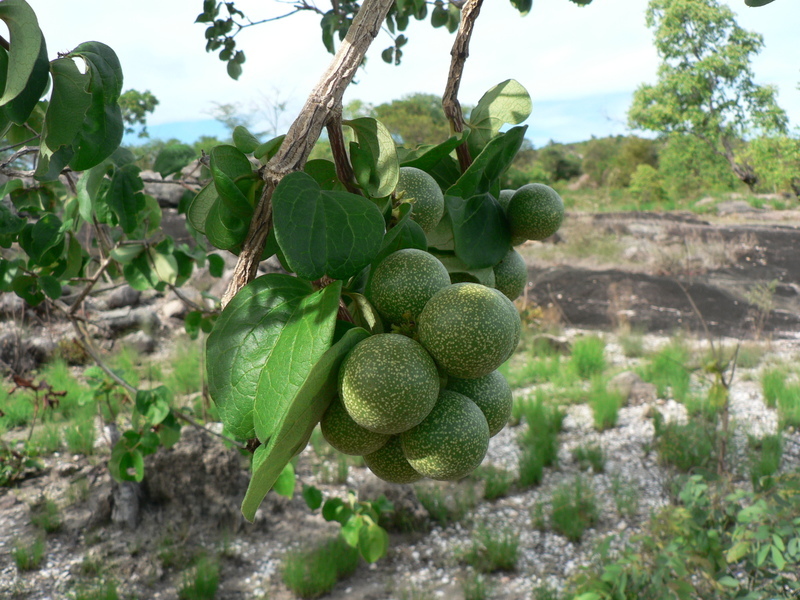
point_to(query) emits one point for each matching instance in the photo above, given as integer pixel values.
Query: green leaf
(455, 266)
(27, 288)
(376, 150)
(164, 266)
(125, 197)
(284, 484)
(224, 229)
(351, 530)
(427, 157)
(490, 164)
(777, 558)
(10, 223)
(51, 162)
(234, 69)
(312, 496)
(244, 140)
(728, 581)
(68, 103)
(46, 243)
(364, 314)
(757, 2)
(102, 129)
(268, 149)
(331, 508)
(507, 102)
(324, 232)
(26, 42)
(172, 158)
(300, 418)
(738, 551)
(89, 187)
(20, 108)
(524, 7)
(126, 254)
(480, 230)
(373, 542)
(201, 206)
(324, 173)
(762, 554)
(50, 286)
(216, 265)
(232, 174)
(132, 460)
(153, 405)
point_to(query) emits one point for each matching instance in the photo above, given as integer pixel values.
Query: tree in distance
(511, 275)
(535, 212)
(469, 329)
(451, 441)
(403, 283)
(343, 433)
(390, 464)
(491, 393)
(416, 186)
(388, 383)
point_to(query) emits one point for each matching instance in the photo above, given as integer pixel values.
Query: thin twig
(88, 287)
(336, 137)
(194, 423)
(458, 57)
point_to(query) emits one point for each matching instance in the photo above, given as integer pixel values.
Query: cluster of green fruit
(425, 401)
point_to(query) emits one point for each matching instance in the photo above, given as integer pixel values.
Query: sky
(580, 65)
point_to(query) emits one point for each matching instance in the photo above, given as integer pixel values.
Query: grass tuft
(574, 509)
(28, 556)
(590, 456)
(313, 573)
(201, 582)
(493, 550)
(588, 356)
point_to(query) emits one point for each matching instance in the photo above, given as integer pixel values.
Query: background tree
(413, 120)
(705, 82)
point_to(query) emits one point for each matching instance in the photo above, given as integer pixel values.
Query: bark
(322, 104)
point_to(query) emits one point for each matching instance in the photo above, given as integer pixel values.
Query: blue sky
(580, 64)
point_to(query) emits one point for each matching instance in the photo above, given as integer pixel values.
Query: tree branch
(458, 56)
(343, 168)
(304, 133)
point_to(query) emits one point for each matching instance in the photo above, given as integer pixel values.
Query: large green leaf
(90, 188)
(374, 157)
(324, 232)
(68, 103)
(427, 157)
(102, 129)
(24, 48)
(489, 165)
(201, 206)
(295, 424)
(20, 108)
(506, 103)
(125, 196)
(262, 348)
(172, 158)
(224, 229)
(44, 242)
(233, 179)
(480, 230)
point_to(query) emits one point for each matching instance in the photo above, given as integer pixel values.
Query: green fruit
(390, 464)
(511, 275)
(452, 440)
(491, 393)
(388, 383)
(504, 198)
(416, 186)
(347, 436)
(535, 212)
(403, 283)
(469, 329)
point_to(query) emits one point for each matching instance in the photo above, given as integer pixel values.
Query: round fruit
(511, 275)
(390, 464)
(416, 186)
(388, 383)
(403, 283)
(491, 393)
(469, 329)
(343, 433)
(452, 440)
(535, 212)
(504, 198)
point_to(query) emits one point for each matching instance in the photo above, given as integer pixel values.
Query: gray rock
(167, 194)
(122, 297)
(730, 207)
(174, 309)
(139, 341)
(623, 383)
(123, 320)
(545, 342)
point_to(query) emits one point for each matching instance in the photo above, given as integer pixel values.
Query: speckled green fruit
(343, 433)
(505, 197)
(403, 283)
(511, 275)
(390, 464)
(388, 383)
(535, 212)
(416, 186)
(452, 440)
(491, 393)
(469, 329)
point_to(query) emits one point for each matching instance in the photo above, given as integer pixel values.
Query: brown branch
(88, 288)
(458, 57)
(343, 168)
(304, 133)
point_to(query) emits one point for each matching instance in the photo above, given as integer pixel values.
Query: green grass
(102, 590)
(588, 356)
(765, 459)
(201, 582)
(625, 495)
(497, 481)
(538, 441)
(493, 549)
(574, 509)
(686, 446)
(186, 376)
(789, 406)
(773, 384)
(668, 371)
(590, 456)
(445, 503)
(313, 573)
(46, 515)
(632, 341)
(45, 440)
(28, 555)
(474, 586)
(605, 404)
(80, 435)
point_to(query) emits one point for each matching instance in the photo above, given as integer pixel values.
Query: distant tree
(688, 167)
(413, 120)
(135, 106)
(777, 160)
(705, 82)
(558, 162)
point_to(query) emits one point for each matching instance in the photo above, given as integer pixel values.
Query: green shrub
(493, 549)
(588, 356)
(646, 187)
(773, 384)
(574, 509)
(201, 582)
(590, 455)
(314, 572)
(605, 405)
(688, 446)
(789, 406)
(668, 371)
(28, 556)
(46, 515)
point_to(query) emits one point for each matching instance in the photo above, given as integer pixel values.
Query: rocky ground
(639, 270)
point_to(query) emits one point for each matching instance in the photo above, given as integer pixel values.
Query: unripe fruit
(343, 433)
(534, 213)
(469, 329)
(504, 198)
(388, 383)
(416, 186)
(511, 275)
(403, 283)
(452, 440)
(491, 393)
(390, 464)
